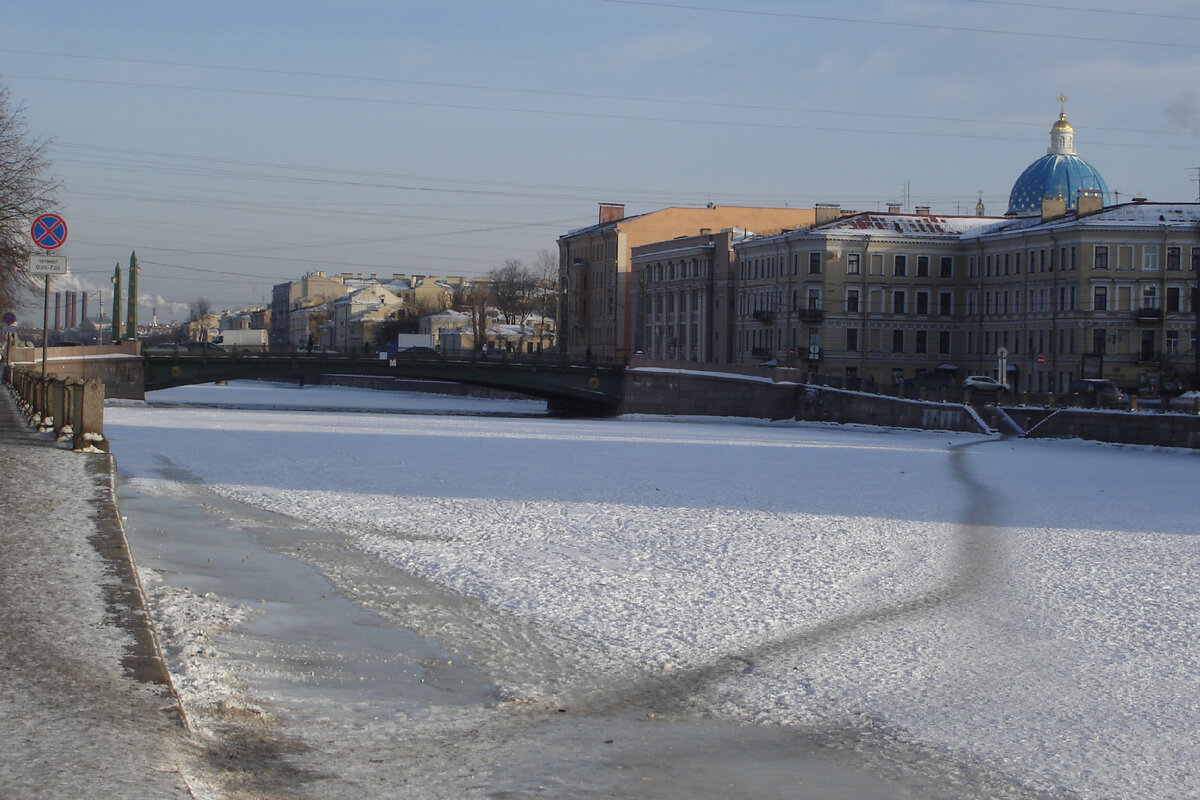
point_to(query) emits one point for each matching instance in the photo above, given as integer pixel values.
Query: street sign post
(48, 231)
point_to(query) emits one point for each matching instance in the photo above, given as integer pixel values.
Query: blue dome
(1051, 175)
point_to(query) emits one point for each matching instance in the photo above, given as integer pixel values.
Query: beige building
(598, 297)
(1097, 292)
(875, 295)
(351, 312)
(299, 308)
(685, 297)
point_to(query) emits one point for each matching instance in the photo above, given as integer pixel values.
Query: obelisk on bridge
(131, 301)
(116, 309)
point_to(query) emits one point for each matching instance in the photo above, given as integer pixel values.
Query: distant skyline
(238, 145)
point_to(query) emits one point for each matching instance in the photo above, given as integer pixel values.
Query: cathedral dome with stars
(1058, 173)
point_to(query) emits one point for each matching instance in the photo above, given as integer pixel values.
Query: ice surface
(1026, 606)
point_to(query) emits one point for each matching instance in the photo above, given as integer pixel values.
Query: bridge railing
(68, 407)
(492, 356)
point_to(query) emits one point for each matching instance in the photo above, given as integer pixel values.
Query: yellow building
(597, 297)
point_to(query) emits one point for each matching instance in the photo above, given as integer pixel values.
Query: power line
(657, 101)
(1047, 6)
(896, 24)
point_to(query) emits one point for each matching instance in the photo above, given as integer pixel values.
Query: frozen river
(373, 604)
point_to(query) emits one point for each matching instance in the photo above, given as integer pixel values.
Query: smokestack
(58, 311)
(83, 309)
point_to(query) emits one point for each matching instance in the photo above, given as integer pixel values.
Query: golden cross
(1062, 98)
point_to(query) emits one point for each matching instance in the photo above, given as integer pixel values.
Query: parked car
(204, 347)
(165, 349)
(1188, 401)
(1095, 393)
(982, 383)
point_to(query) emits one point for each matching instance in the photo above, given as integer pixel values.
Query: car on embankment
(984, 383)
(1094, 393)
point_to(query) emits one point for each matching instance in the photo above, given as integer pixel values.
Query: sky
(236, 145)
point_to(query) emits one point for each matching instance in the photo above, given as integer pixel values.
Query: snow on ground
(1025, 605)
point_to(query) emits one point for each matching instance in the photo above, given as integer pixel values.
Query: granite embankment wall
(673, 391)
(117, 366)
(665, 391)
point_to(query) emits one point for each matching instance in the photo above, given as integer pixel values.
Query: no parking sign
(49, 231)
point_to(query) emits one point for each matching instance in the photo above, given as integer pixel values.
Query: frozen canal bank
(1010, 615)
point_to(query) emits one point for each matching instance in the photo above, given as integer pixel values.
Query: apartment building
(597, 294)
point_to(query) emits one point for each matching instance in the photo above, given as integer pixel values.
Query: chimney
(893, 208)
(1053, 207)
(1090, 201)
(611, 212)
(923, 211)
(826, 212)
(83, 308)
(57, 311)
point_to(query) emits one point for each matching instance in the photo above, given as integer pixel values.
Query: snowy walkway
(76, 722)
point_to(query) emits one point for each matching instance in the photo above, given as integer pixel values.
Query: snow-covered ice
(1028, 607)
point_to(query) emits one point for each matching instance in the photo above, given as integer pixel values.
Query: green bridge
(589, 389)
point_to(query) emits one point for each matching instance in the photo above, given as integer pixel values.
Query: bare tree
(199, 309)
(514, 290)
(479, 300)
(546, 269)
(25, 192)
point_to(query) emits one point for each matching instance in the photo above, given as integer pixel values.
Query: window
(945, 303)
(852, 340)
(922, 342)
(897, 341)
(900, 265)
(1100, 298)
(947, 266)
(852, 301)
(1148, 349)
(1175, 258)
(1173, 299)
(922, 302)
(814, 299)
(1172, 343)
(1150, 296)
(922, 266)
(944, 342)
(897, 302)
(1195, 259)
(1099, 340)
(1017, 263)
(1150, 258)
(814, 263)
(854, 263)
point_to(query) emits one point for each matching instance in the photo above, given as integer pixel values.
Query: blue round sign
(49, 231)
(10, 318)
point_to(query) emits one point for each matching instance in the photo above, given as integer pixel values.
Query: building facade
(685, 297)
(597, 295)
(1072, 287)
